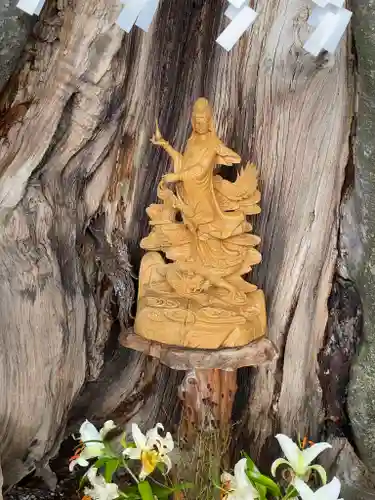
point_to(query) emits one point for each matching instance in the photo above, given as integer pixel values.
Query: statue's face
(201, 122)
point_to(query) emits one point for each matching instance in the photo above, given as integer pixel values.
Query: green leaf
(132, 490)
(269, 484)
(131, 495)
(161, 467)
(82, 482)
(291, 492)
(166, 491)
(262, 490)
(110, 468)
(259, 479)
(145, 491)
(101, 462)
(250, 465)
(123, 442)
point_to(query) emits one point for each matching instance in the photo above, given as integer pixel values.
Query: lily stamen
(150, 449)
(306, 442)
(91, 443)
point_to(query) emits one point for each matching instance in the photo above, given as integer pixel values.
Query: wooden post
(205, 431)
(207, 397)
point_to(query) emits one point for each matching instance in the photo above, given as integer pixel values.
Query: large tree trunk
(78, 172)
(360, 215)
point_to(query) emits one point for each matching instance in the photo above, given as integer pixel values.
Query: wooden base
(257, 353)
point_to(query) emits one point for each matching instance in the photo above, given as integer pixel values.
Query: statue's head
(201, 120)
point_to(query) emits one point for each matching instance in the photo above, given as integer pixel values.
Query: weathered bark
(79, 170)
(301, 135)
(56, 304)
(360, 214)
(15, 28)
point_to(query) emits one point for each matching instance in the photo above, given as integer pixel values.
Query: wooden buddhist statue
(198, 299)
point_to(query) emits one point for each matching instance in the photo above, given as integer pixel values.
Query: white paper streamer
(31, 6)
(237, 3)
(324, 3)
(330, 23)
(231, 12)
(315, 44)
(137, 12)
(343, 20)
(239, 24)
(318, 14)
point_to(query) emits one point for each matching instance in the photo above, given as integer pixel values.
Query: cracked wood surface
(256, 353)
(91, 86)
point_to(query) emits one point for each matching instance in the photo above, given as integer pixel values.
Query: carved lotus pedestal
(173, 308)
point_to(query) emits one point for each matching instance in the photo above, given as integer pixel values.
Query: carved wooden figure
(195, 311)
(199, 299)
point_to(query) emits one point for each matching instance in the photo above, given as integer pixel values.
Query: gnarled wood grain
(91, 86)
(301, 143)
(256, 353)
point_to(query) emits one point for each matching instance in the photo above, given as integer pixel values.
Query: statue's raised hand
(157, 138)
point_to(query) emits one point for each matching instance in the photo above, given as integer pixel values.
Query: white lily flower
(299, 460)
(92, 443)
(330, 491)
(239, 486)
(150, 449)
(100, 489)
